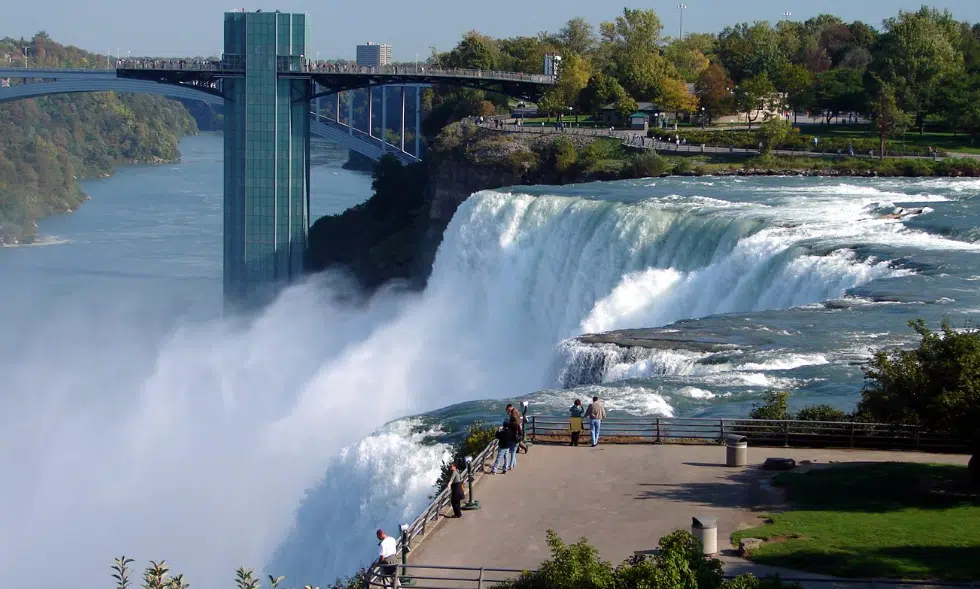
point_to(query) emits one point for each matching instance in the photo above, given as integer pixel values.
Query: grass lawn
(942, 140)
(896, 520)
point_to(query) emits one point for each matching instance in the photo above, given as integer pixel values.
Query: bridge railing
(763, 432)
(315, 67)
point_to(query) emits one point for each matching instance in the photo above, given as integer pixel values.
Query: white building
(372, 55)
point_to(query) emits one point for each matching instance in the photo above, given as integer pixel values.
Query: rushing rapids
(136, 420)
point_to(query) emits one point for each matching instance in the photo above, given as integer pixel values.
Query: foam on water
(198, 442)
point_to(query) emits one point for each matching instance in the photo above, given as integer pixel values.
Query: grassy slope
(893, 520)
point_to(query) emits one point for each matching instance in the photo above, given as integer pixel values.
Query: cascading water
(197, 444)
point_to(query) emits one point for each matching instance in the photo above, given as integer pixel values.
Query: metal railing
(315, 67)
(412, 534)
(455, 577)
(823, 434)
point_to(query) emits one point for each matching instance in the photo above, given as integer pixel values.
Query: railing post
(534, 434)
(721, 423)
(786, 437)
(853, 427)
(659, 441)
(479, 581)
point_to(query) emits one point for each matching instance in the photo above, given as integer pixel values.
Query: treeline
(917, 68)
(46, 144)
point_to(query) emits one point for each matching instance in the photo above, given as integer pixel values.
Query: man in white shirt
(387, 563)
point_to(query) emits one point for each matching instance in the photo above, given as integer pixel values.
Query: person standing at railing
(387, 560)
(456, 492)
(575, 423)
(506, 441)
(596, 412)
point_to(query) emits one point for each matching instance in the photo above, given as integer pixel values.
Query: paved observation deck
(623, 498)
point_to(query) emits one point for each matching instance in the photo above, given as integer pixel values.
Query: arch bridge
(274, 99)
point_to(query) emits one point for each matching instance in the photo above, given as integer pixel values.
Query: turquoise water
(135, 419)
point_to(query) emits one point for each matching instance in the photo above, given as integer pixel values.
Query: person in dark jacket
(506, 438)
(575, 423)
(456, 492)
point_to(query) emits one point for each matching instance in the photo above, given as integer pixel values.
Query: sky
(194, 27)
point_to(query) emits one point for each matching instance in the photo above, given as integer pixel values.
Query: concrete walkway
(623, 498)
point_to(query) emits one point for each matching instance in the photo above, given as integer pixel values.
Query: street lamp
(681, 7)
(787, 14)
(703, 120)
(472, 504)
(404, 579)
(416, 63)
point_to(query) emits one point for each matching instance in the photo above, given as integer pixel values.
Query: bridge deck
(622, 497)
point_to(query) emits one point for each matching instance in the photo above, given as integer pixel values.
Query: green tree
(960, 103)
(475, 51)
(686, 57)
(713, 89)
(838, 91)
(773, 132)
(630, 51)
(935, 385)
(578, 36)
(752, 50)
(755, 96)
(917, 55)
(888, 120)
(796, 82)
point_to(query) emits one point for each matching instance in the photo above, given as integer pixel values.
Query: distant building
(372, 55)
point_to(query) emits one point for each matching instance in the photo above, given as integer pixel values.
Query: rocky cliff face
(395, 234)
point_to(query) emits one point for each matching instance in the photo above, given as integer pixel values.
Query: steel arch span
(106, 84)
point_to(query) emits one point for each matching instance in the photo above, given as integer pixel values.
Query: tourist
(505, 438)
(456, 492)
(518, 422)
(575, 423)
(596, 413)
(386, 559)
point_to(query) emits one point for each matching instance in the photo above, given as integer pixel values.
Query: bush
(646, 165)
(562, 156)
(157, 576)
(775, 406)
(680, 564)
(683, 167)
(784, 138)
(822, 413)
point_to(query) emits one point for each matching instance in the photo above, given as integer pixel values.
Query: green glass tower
(267, 150)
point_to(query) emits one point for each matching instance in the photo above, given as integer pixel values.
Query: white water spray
(197, 443)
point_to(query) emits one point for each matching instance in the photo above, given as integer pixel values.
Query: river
(136, 420)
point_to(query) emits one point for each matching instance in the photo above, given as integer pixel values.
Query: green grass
(942, 140)
(894, 520)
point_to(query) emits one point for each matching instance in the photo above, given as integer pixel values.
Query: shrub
(680, 564)
(775, 406)
(822, 413)
(563, 155)
(683, 166)
(646, 165)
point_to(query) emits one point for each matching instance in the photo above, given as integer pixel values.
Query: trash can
(705, 529)
(738, 451)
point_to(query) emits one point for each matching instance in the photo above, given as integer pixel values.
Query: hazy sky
(194, 27)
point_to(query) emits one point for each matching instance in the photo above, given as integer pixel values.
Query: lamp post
(404, 579)
(704, 121)
(472, 504)
(681, 7)
(787, 14)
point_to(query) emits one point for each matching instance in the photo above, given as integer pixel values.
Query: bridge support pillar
(370, 121)
(267, 142)
(350, 114)
(402, 135)
(418, 119)
(384, 119)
